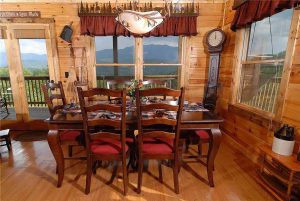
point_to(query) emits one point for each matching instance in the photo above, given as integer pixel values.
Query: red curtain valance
(255, 10)
(108, 26)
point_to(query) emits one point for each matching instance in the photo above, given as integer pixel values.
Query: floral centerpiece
(131, 88)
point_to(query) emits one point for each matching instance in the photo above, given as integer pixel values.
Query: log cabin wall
(249, 130)
(211, 16)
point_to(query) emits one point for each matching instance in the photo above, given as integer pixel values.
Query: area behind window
(263, 61)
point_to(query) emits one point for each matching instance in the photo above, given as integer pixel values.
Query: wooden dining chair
(203, 138)
(55, 98)
(105, 132)
(158, 136)
(117, 84)
(154, 83)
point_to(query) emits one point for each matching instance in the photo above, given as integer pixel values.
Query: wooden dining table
(189, 121)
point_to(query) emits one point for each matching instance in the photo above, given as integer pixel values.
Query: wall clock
(214, 41)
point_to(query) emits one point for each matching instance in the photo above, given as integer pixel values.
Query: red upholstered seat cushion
(106, 146)
(158, 146)
(129, 140)
(69, 135)
(202, 134)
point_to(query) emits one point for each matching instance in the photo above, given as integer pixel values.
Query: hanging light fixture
(139, 22)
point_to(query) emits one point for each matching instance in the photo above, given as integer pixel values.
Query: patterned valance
(252, 11)
(100, 19)
(108, 26)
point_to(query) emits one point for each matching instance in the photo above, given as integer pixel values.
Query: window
(161, 59)
(263, 60)
(116, 58)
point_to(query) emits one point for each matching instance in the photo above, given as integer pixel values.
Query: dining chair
(105, 130)
(154, 83)
(55, 98)
(118, 84)
(158, 132)
(203, 137)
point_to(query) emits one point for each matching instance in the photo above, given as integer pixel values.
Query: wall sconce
(66, 33)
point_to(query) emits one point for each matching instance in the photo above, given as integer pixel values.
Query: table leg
(54, 144)
(212, 152)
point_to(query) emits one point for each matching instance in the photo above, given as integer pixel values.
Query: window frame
(240, 60)
(139, 64)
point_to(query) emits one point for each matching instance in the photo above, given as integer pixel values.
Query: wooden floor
(28, 173)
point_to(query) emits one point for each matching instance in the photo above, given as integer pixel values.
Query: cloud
(35, 46)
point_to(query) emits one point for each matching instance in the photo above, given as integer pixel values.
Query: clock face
(215, 38)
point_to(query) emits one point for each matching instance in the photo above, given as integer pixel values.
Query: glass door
(31, 61)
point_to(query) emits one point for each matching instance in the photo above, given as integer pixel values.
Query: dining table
(191, 120)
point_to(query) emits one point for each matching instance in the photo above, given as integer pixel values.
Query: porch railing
(35, 95)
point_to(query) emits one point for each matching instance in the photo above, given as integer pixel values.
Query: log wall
(211, 16)
(249, 130)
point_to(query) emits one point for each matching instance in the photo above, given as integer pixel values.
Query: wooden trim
(114, 64)
(27, 20)
(290, 51)
(237, 58)
(162, 65)
(139, 58)
(259, 117)
(91, 62)
(186, 62)
(17, 78)
(181, 55)
(52, 53)
(262, 61)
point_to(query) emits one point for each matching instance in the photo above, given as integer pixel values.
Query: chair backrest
(117, 84)
(152, 83)
(51, 92)
(159, 115)
(101, 119)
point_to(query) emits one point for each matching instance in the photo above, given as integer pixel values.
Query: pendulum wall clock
(214, 42)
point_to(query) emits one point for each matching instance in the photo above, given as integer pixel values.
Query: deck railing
(265, 97)
(171, 80)
(34, 92)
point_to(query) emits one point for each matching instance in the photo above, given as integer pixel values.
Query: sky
(36, 46)
(280, 26)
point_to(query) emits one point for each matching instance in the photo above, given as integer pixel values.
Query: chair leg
(160, 172)
(70, 149)
(175, 175)
(200, 149)
(140, 174)
(88, 174)
(125, 176)
(8, 144)
(114, 172)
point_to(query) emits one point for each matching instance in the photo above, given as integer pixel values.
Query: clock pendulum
(214, 41)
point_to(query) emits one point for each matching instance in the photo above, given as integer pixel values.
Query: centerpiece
(131, 88)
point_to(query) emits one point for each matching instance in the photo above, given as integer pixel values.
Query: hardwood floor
(28, 173)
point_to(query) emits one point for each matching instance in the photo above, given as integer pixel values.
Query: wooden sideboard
(280, 175)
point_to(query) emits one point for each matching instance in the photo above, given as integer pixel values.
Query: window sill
(262, 118)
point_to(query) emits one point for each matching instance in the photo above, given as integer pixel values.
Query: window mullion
(139, 60)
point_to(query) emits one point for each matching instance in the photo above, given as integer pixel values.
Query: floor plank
(28, 174)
